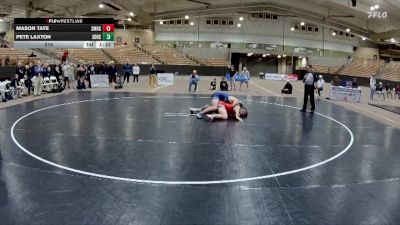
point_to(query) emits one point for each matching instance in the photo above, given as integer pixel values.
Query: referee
(308, 81)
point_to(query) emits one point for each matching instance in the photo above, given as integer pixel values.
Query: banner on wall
(345, 94)
(99, 81)
(273, 76)
(277, 76)
(164, 79)
(293, 77)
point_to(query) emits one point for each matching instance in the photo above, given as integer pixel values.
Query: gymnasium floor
(99, 157)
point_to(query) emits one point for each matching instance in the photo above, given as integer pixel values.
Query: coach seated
(194, 80)
(287, 89)
(223, 85)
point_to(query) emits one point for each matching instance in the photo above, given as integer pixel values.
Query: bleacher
(167, 55)
(326, 69)
(16, 55)
(129, 53)
(391, 71)
(85, 55)
(217, 62)
(363, 67)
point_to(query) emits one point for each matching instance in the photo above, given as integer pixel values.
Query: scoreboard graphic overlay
(64, 33)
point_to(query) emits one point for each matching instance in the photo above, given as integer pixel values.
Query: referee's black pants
(309, 91)
(126, 77)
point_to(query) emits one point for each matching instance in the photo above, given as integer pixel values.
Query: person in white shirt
(68, 71)
(135, 72)
(244, 78)
(320, 85)
(372, 86)
(308, 81)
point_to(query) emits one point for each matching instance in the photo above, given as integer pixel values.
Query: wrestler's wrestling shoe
(194, 110)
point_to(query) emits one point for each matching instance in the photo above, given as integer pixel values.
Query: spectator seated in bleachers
(194, 80)
(213, 85)
(223, 85)
(119, 83)
(7, 61)
(288, 88)
(388, 90)
(32, 55)
(380, 91)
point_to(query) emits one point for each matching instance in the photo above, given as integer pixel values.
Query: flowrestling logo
(377, 15)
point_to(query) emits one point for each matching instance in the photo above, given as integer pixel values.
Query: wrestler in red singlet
(228, 106)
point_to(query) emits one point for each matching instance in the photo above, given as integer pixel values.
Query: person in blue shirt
(127, 68)
(46, 70)
(30, 70)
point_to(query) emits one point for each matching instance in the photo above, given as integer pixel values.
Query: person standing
(46, 70)
(136, 72)
(232, 74)
(152, 76)
(68, 72)
(389, 91)
(372, 88)
(38, 80)
(20, 70)
(127, 68)
(244, 78)
(64, 57)
(28, 84)
(102, 69)
(308, 81)
(112, 73)
(15, 88)
(91, 71)
(320, 85)
(57, 72)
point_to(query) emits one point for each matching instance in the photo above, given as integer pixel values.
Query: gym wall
(272, 32)
(145, 36)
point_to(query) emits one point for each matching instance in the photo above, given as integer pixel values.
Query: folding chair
(53, 83)
(3, 89)
(46, 84)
